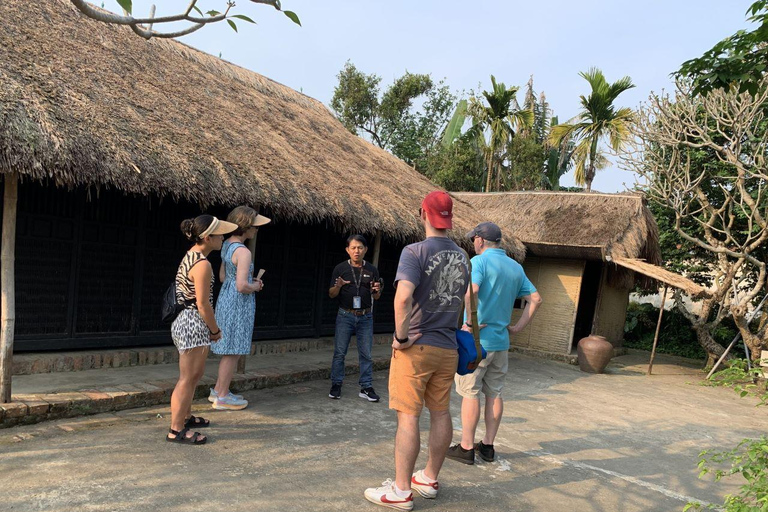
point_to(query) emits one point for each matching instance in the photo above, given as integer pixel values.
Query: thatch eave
(84, 103)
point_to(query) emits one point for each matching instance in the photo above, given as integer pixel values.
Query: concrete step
(74, 361)
(40, 397)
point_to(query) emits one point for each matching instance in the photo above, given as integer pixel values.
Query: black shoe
(457, 453)
(485, 451)
(335, 392)
(369, 394)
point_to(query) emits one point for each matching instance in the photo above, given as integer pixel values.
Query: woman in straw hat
(195, 328)
(236, 304)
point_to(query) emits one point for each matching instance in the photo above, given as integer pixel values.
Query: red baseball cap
(439, 208)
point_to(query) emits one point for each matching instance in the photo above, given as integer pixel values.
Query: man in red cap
(431, 281)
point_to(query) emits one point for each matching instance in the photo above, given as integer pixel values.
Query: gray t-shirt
(439, 269)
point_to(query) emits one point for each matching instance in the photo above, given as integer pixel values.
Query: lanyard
(357, 281)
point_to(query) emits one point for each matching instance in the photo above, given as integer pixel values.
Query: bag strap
(473, 317)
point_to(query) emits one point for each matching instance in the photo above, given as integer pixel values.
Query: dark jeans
(348, 324)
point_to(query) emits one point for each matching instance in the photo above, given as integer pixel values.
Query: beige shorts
(421, 375)
(488, 377)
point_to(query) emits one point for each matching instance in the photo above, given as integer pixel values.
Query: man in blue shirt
(498, 281)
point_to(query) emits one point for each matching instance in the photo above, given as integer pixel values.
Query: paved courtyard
(569, 441)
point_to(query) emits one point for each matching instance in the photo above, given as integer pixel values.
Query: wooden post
(376, 248)
(7, 284)
(251, 247)
(658, 326)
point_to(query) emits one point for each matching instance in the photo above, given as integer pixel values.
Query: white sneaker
(230, 402)
(420, 485)
(387, 497)
(212, 396)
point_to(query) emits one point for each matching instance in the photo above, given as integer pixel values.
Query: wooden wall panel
(558, 282)
(612, 313)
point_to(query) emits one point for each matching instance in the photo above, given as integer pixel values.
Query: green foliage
(393, 122)
(293, 17)
(524, 161)
(676, 336)
(599, 119)
(740, 59)
(457, 167)
(453, 130)
(750, 457)
(497, 118)
(126, 5)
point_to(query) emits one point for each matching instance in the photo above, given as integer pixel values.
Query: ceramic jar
(594, 353)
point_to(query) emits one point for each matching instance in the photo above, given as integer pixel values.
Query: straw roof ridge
(84, 103)
(620, 224)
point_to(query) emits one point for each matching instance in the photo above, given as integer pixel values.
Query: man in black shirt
(356, 284)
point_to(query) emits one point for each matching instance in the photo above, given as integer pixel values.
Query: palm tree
(598, 119)
(499, 117)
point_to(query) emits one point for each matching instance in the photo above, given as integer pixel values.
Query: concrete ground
(569, 441)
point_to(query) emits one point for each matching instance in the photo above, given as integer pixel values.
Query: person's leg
(364, 333)
(198, 370)
(470, 416)
(493, 384)
(494, 409)
(407, 442)
(189, 374)
(227, 367)
(440, 434)
(344, 328)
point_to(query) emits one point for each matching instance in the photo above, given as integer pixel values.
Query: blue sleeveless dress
(234, 310)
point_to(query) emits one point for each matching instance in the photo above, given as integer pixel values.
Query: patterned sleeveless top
(185, 288)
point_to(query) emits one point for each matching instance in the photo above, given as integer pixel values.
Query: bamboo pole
(376, 248)
(658, 327)
(7, 284)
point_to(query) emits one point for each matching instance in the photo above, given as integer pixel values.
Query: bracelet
(214, 333)
(404, 340)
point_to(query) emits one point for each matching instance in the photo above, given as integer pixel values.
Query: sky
(464, 42)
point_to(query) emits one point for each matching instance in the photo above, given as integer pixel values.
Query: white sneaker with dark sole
(387, 497)
(420, 485)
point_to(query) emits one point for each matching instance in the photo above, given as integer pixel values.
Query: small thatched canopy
(589, 226)
(665, 276)
(85, 103)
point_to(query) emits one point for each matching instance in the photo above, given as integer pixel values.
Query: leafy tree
(523, 164)
(143, 27)
(497, 118)
(390, 119)
(458, 166)
(739, 60)
(703, 159)
(598, 119)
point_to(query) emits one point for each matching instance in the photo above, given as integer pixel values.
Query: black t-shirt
(345, 271)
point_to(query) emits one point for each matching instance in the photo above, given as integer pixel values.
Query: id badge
(357, 302)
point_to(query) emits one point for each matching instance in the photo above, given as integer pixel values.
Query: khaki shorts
(419, 375)
(488, 377)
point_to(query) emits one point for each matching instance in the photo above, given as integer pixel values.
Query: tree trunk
(708, 343)
(7, 285)
(490, 171)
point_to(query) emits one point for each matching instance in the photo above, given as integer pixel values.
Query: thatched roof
(665, 276)
(85, 103)
(573, 225)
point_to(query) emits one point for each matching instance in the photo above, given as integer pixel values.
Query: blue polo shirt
(501, 280)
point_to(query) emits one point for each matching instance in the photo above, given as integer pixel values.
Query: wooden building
(576, 245)
(113, 140)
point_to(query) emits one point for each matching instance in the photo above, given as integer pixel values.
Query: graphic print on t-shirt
(447, 270)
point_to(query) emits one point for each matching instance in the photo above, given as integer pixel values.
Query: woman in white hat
(195, 328)
(236, 304)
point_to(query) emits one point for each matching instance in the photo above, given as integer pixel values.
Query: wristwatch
(404, 340)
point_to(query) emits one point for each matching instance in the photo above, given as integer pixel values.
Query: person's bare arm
(242, 260)
(403, 307)
(334, 290)
(532, 303)
(200, 274)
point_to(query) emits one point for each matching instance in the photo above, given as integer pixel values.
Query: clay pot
(594, 353)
